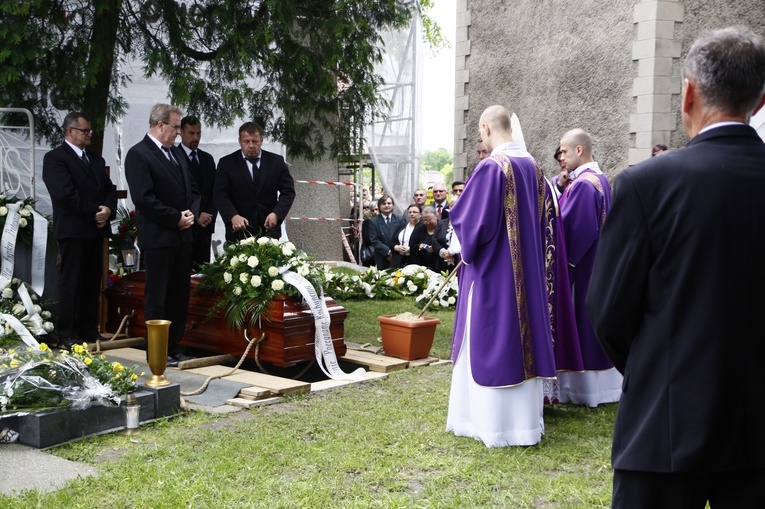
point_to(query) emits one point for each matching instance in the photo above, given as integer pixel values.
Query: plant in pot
(409, 336)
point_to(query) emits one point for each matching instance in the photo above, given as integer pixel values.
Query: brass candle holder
(157, 332)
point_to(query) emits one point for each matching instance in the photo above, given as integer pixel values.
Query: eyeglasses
(83, 131)
(176, 127)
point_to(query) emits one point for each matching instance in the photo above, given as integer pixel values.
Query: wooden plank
(255, 392)
(117, 343)
(212, 360)
(277, 385)
(423, 362)
(248, 403)
(375, 362)
(131, 354)
(331, 384)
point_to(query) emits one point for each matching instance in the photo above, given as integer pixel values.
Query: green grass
(378, 444)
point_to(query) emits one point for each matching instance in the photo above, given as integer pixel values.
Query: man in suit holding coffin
(84, 201)
(676, 297)
(253, 188)
(166, 201)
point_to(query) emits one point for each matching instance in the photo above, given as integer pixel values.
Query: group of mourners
(423, 236)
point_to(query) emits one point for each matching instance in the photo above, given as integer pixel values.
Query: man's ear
(688, 95)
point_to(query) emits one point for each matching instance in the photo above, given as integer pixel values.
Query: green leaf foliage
(303, 69)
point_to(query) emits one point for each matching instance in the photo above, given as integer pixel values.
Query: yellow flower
(88, 361)
(44, 347)
(134, 377)
(77, 348)
(15, 363)
(103, 357)
(116, 366)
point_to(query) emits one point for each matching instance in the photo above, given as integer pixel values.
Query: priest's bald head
(576, 148)
(494, 127)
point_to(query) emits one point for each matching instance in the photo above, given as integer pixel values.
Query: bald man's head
(576, 148)
(494, 126)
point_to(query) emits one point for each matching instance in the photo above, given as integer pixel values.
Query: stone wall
(612, 68)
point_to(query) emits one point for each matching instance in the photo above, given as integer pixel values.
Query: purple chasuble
(499, 220)
(568, 353)
(583, 207)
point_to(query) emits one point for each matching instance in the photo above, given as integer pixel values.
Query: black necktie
(85, 158)
(194, 160)
(255, 162)
(170, 156)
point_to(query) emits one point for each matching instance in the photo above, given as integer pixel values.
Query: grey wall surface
(561, 64)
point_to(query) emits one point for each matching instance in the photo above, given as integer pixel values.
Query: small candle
(129, 260)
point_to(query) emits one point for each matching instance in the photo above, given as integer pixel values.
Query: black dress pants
(657, 490)
(167, 289)
(79, 287)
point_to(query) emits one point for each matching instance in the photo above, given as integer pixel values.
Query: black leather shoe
(171, 362)
(181, 357)
(67, 343)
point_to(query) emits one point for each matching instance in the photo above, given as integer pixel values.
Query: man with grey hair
(676, 296)
(166, 202)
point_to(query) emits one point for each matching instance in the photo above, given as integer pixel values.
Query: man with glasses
(440, 202)
(166, 202)
(84, 200)
(254, 189)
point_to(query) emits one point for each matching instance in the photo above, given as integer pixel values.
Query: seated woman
(421, 243)
(400, 243)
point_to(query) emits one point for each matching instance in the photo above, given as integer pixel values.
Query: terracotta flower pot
(407, 340)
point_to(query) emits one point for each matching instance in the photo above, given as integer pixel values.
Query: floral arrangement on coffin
(248, 274)
(447, 297)
(34, 379)
(126, 232)
(26, 224)
(38, 322)
(351, 284)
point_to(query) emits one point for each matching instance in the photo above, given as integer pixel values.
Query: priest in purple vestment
(583, 206)
(502, 344)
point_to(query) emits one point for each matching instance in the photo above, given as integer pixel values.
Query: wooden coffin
(289, 328)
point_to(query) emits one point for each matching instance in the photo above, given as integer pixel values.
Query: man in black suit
(253, 188)
(202, 167)
(166, 201)
(676, 297)
(381, 230)
(84, 200)
(440, 201)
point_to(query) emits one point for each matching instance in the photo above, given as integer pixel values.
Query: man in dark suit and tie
(440, 201)
(676, 297)
(84, 200)
(253, 188)
(166, 201)
(381, 230)
(202, 167)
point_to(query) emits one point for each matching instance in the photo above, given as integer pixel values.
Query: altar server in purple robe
(502, 346)
(583, 206)
(677, 295)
